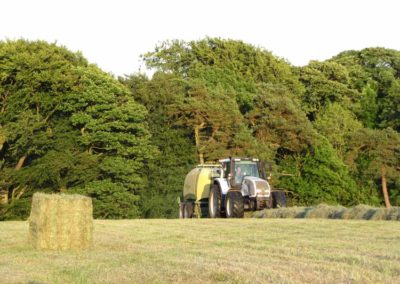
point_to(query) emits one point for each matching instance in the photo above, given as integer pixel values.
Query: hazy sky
(114, 33)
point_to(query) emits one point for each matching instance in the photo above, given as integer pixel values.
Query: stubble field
(212, 251)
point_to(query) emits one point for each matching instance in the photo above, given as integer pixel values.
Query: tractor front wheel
(214, 202)
(234, 205)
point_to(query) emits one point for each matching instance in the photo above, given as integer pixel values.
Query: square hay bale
(61, 222)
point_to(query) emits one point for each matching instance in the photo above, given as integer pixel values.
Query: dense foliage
(330, 128)
(66, 126)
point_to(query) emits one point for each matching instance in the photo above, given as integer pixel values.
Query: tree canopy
(68, 127)
(330, 129)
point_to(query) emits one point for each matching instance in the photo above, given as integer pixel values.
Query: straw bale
(61, 222)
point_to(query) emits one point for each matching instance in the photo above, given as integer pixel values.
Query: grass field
(210, 251)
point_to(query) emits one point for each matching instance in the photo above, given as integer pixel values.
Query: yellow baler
(196, 190)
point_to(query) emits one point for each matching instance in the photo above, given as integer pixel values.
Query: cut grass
(359, 212)
(212, 251)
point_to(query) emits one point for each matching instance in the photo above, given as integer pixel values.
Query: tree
(228, 63)
(379, 150)
(33, 78)
(378, 68)
(278, 121)
(68, 127)
(176, 151)
(369, 107)
(337, 124)
(325, 83)
(319, 175)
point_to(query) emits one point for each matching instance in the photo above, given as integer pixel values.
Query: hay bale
(61, 222)
(325, 211)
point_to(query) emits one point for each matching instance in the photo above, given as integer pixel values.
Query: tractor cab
(236, 169)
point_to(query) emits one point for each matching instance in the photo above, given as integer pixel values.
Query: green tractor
(227, 189)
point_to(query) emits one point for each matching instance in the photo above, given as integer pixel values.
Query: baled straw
(61, 222)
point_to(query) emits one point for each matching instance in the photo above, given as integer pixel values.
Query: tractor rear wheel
(214, 202)
(234, 205)
(279, 199)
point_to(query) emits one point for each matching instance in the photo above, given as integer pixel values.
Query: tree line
(330, 129)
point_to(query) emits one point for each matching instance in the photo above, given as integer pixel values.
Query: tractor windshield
(245, 168)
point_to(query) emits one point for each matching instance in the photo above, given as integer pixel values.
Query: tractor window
(245, 168)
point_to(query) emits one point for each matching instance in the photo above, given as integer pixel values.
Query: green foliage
(69, 127)
(320, 176)
(176, 153)
(371, 151)
(337, 125)
(378, 68)
(325, 83)
(369, 107)
(66, 126)
(278, 121)
(230, 63)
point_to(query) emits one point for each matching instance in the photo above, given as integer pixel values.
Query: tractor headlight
(263, 188)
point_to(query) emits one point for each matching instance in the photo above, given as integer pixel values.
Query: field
(210, 251)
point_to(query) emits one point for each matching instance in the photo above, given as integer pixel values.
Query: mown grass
(212, 251)
(359, 212)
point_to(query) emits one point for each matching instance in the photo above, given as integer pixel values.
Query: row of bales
(359, 212)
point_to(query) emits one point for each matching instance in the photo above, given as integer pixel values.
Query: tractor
(228, 188)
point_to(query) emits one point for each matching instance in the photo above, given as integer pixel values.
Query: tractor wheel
(279, 199)
(214, 202)
(234, 205)
(188, 210)
(270, 203)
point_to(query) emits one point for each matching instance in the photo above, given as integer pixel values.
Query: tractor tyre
(270, 202)
(214, 202)
(279, 199)
(188, 210)
(234, 205)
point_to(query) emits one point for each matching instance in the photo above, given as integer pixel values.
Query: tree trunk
(201, 158)
(197, 142)
(4, 196)
(20, 163)
(5, 192)
(384, 187)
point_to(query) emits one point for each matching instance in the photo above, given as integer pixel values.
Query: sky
(114, 33)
